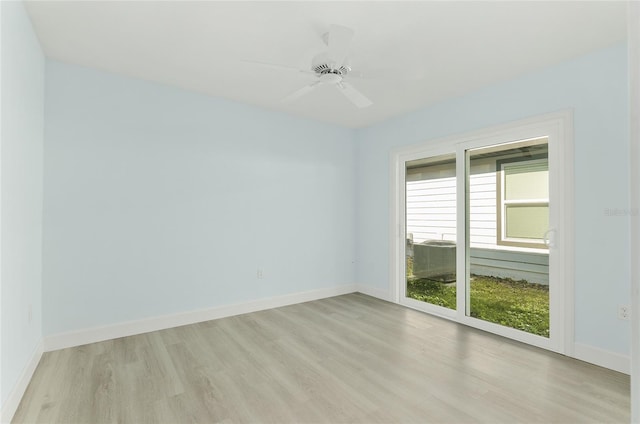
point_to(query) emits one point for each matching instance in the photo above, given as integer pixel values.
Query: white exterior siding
(431, 209)
(482, 210)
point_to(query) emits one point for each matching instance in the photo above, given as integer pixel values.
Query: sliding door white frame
(558, 128)
(427, 151)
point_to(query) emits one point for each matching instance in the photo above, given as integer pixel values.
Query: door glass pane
(431, 230)
(507, 273)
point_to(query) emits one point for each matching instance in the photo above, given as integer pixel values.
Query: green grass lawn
(515, 304)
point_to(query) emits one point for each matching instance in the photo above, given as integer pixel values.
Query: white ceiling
(204, 46)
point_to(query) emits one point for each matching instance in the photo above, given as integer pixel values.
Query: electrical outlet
(259, 273)
(624, 312)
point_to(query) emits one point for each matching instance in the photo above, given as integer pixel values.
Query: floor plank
(350, 358)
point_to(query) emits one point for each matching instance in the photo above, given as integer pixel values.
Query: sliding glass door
(507, 225)
(479, 239)
(430, 193)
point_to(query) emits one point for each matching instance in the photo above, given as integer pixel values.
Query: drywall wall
(595, 87)
(21, 147)
(159, 201)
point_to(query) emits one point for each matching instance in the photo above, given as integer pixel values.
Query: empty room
(304, 212)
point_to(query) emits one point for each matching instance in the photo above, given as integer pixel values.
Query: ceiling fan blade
(356, 97)
(338, 41)
(278, 66)
(299, 93)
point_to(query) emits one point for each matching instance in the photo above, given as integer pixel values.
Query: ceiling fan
(330, 67)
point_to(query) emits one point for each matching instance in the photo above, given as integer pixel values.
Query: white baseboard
(603, 358)
(15, 396)
(130, 328)
(374, 292)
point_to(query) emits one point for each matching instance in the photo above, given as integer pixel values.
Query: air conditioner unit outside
(435, 260)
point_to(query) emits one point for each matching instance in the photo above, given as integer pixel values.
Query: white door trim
(559, 127)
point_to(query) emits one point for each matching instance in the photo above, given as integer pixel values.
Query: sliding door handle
(549, 237)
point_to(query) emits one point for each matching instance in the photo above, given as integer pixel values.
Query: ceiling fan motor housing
(325, 68)
(321, 65)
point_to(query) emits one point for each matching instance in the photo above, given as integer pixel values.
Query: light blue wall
(595, 87)
(159, 201)
(22, 118)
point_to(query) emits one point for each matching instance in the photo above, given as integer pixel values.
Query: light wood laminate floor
(350, 358)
